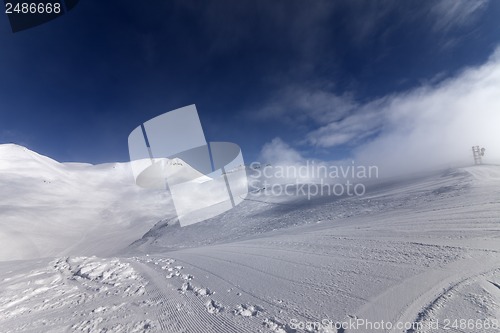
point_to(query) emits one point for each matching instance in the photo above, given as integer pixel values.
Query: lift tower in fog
(478, 153)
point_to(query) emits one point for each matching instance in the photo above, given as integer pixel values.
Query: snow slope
(400, 254)
(49, 208)
(419, 251)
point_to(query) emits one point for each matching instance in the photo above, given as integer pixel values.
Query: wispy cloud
(230, 24)
(364, 122)
(298, 104)
(449, 14)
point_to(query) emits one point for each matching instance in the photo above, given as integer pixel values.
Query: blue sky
(282, 78)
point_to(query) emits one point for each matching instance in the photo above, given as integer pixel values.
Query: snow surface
(423, 249)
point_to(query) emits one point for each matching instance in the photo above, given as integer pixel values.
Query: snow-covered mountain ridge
(49, 208)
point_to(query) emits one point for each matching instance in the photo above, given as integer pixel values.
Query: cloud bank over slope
(432, 126)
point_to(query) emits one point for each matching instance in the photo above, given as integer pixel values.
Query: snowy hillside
(418, 251)
(48, 208)
(414, 251)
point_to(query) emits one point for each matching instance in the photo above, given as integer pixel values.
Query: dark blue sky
(74, 88)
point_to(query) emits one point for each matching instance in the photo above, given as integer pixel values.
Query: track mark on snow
(495, 284)
(427, 313)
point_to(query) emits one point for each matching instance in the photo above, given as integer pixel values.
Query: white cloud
(433, 126)
(280, 153)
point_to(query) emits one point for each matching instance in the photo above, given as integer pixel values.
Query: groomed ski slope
(422, 250)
